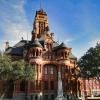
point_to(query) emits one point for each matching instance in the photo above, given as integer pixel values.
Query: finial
(40, 4)
(22, 38)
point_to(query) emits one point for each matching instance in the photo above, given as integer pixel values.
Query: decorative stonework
(43, 51)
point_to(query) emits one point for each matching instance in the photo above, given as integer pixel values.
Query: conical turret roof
(36, 43)
(62, 45)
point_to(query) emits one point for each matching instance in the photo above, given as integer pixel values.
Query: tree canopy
(11, 71)
(15, 70)
(89, 63)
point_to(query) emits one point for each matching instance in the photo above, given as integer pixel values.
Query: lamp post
(40, 95)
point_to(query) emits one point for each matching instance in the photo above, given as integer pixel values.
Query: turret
(63, 51)
(36, 49)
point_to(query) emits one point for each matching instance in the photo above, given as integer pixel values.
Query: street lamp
(40, 95)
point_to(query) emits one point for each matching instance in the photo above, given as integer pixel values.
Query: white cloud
(13, 21)
(94, 42)
(82, 49)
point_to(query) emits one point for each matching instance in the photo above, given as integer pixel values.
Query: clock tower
(40, 24)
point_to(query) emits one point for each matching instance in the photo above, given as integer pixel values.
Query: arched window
(45, 70)
(51, 70)
(40, 52)
(33, 52)
(36, 52)
(65, 54)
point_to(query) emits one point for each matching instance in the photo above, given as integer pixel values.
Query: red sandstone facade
(90, 88)
(47, 57)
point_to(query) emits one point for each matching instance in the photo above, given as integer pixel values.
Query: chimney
(6, 45)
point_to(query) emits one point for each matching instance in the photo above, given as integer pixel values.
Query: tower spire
(40, 4)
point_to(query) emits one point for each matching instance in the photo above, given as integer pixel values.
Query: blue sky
(76, 22)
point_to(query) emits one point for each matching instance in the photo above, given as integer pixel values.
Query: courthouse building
(47, 57)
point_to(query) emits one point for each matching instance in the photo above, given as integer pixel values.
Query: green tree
(89, 63)
(12, 71)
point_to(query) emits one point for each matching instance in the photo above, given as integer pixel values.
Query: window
(51, 70)
(67, 85)
(22, 85)
(46, 85)
(73, 71)
(33, 52)
(63, 69)
(65, 54)
(40, 84)
(66, 70)
(32, 85)
(36, 84)
(41, 27)
(46, 97)
(37, 53)
(36, 97)
(45, 70)
(52, 85)
(52, 97)
(47, 46)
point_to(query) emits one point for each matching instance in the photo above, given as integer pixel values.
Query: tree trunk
(8, 89)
